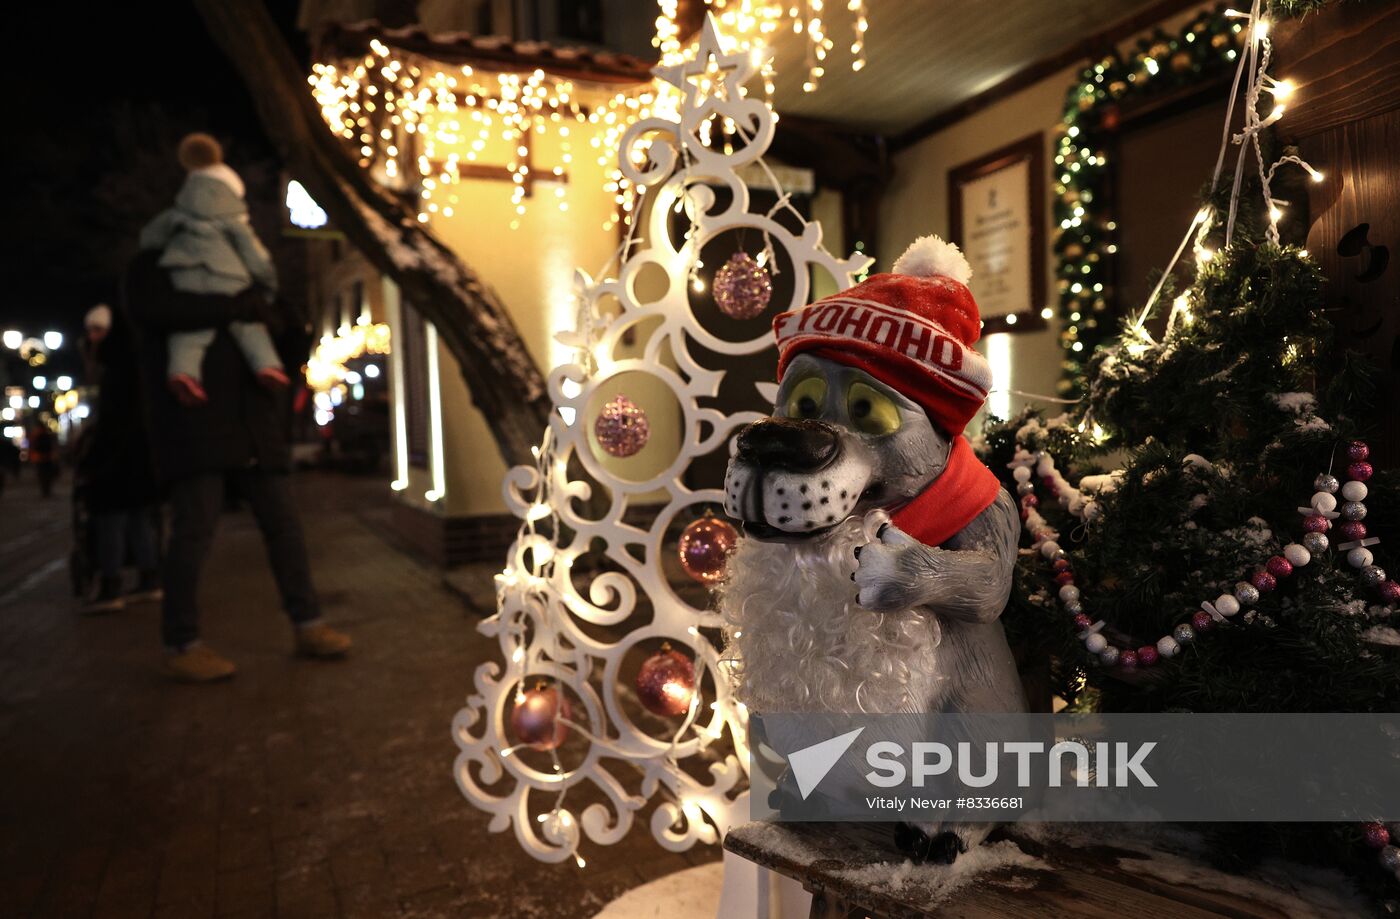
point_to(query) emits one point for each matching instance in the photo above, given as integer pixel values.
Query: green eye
(872, 412)
(806, 399)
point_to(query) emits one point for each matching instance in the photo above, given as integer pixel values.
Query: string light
(413, 116)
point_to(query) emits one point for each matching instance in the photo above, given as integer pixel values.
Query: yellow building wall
(916, 204)
(531, 268)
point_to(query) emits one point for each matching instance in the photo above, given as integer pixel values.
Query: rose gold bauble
(704, 548)
(535, 718)
(742, 287)
(666, 683)
(622, 428)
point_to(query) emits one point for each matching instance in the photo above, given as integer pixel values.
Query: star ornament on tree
(711, 73)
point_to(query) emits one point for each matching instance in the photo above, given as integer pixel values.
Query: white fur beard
(799, 643)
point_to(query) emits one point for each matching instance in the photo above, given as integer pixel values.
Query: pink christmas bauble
(1353, 531)
(1357, 451)
(704, 548)
(666, 683)
(742, 287)
(1316, 523)
(535, 718)
(1201, 620)
(1279, 566)
(1360, 471)
(1128, 660)
(622, 427)
(1147, 655)
(1263, 581)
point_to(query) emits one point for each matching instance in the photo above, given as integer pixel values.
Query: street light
(53, 340)
(13, 338)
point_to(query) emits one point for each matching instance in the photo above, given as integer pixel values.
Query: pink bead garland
(1317, 519)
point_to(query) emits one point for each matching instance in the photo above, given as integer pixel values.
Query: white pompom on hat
(930, 256)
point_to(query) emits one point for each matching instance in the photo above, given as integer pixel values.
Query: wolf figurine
(826, 612)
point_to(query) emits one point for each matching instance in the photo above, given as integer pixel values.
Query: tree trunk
(503, 380)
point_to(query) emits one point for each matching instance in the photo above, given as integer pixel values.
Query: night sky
(106, 91)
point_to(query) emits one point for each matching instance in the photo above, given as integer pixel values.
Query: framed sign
(996, 207)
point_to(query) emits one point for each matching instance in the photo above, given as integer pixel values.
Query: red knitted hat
(912, 329)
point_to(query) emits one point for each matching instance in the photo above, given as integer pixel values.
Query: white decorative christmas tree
(554, 740)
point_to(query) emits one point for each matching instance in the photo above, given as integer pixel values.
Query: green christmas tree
(1216, 436)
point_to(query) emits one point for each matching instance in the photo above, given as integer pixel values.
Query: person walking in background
(43, 454)
(9, 462)
(96, 324)
(113, 477)
(207, 243)
(239, 433)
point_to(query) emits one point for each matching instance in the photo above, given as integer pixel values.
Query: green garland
(1084, 246)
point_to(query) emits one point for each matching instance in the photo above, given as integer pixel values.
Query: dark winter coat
(243, 424)
(113, 467)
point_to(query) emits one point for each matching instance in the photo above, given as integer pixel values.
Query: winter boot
(188, 390)
(198, 663)
(316, 639)
(106, 597)
(148, 589)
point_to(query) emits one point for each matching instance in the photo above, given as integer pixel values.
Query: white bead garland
(1323, 503)
(1297, 555)
(1167, 646)
(1227, 605)
(1355, 491)
(1360, 557)
(1095, 643)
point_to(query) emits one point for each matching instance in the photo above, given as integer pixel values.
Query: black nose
(789, 444)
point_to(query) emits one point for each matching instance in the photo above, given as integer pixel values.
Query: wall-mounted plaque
(997, 215)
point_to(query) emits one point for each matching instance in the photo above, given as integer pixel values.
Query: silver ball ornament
(1247, 594)
(1326, 482)
(1184, 634)
(1316, 543)
(1372, 575)
(1353, 510)
(1024, 488)
(1108, 656)
(1390, 858)
(1074, 608)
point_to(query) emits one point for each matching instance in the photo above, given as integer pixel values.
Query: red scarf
(964, 489)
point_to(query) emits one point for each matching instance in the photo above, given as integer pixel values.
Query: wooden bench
(853, 871)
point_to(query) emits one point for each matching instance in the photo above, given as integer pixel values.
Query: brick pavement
(297, 789)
